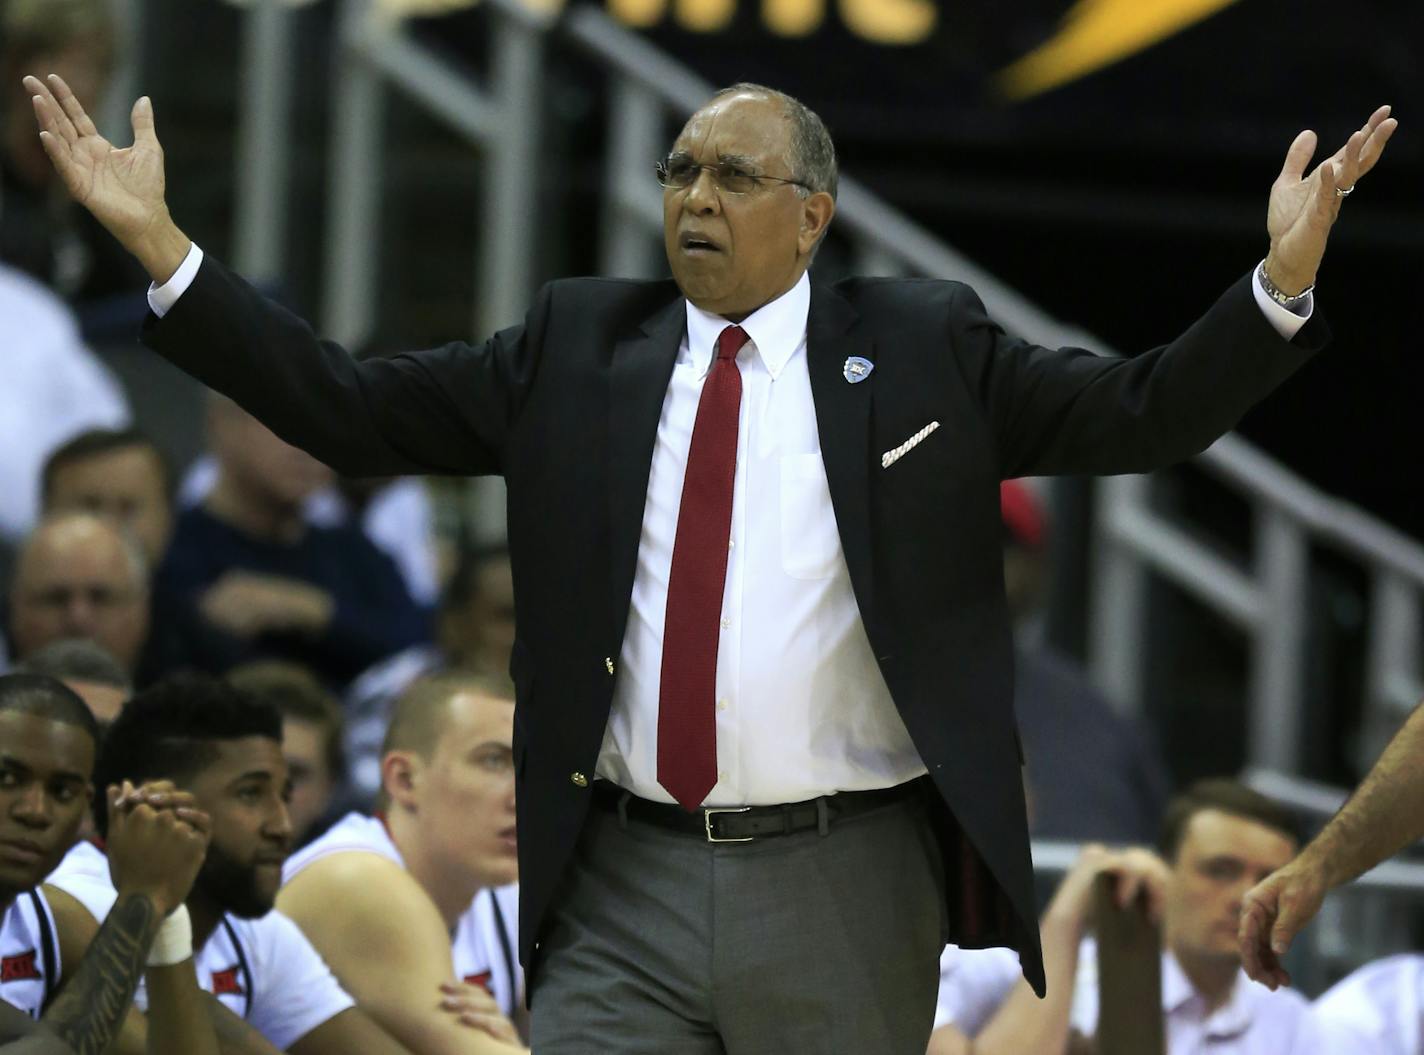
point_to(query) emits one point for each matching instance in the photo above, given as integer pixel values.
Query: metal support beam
(353, 229)
(264, 139)
(506, 256)
(1275, 738)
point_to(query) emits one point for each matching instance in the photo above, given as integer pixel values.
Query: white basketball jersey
(485, 938)
(29, 954)
(263, 970)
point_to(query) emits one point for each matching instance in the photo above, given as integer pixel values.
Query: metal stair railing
(649, 90)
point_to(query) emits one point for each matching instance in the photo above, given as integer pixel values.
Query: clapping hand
(1303, 208)
(122, 186)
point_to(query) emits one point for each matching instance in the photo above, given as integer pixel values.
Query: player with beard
(430, 879)
(225, 749)
(48, 740)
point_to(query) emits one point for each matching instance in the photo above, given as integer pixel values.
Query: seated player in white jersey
(428, 880)
(1377, 1010)
(215, 743)
(1219, 839)
(48, 739)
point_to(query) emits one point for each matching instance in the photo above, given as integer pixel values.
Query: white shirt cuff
(162, 298)
(1287, 321)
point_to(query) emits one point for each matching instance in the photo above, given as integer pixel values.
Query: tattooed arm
(87, 1012)
(156, 842)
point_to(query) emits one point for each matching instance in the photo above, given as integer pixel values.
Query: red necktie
(687, 727)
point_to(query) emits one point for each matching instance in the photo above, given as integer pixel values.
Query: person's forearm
(87, 1013)
(179, 1022)
(235, 1036)
(1027, 1024)
(160, 249)
(1385, 814)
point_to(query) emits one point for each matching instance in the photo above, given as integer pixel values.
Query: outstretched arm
(445, 411)
(122, 187)
(1383, 816)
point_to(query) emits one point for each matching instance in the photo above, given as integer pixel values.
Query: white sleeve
(294, 990)
(1375, 1011)
(162, 298)
(973, 985)
(1286, 321)
(95, 894)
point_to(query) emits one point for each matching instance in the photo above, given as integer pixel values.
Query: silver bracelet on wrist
(1285, 300)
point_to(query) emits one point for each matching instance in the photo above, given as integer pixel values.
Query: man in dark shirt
(275, 585)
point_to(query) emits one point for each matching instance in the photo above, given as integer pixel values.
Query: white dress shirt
(1378, 1010)
(1253, 1021)
(801, 707)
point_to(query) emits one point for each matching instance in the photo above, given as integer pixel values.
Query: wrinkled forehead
(744, 126)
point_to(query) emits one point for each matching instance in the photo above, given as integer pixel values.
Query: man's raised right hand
(122, 187)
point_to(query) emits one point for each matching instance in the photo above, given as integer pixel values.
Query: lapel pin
(857, 369)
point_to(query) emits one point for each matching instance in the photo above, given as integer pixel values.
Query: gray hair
(813, 154)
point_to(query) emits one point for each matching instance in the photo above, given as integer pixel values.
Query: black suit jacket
(566, 408)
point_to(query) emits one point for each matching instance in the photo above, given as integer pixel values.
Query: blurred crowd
(328, 681)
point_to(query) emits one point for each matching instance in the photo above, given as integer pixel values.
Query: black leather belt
(739, 824)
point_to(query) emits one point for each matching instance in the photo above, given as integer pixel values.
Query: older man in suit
(765, 752)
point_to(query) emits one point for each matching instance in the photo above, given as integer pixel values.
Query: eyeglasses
(679, 173)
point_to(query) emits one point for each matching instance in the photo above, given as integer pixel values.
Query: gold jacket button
(608, 663)
(579, 780)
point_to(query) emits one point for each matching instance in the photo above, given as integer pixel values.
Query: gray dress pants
(661, 943)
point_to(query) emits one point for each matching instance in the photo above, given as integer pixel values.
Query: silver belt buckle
(707, 812)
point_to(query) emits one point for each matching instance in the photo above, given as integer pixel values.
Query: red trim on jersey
(20, 968)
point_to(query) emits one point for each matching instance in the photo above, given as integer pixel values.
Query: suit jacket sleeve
(446, 410)
(1067, 410)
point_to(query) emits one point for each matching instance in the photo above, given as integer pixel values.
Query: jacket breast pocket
(810, 546)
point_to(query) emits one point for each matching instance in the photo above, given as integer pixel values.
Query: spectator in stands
(1218, 839)
(79, 576)
(311, 740)
(41, 231)
(114, 473)
(272, 584)
(224, 749)
(86, 669)
(1092, 773)
(95, 677)
(474, 630)
(121, 475)
(54, 388)
(397, 514)
(50, 740)
(430, 879)
(1377, 1010)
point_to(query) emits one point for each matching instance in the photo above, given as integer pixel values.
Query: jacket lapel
(640, 373)
(843, 422)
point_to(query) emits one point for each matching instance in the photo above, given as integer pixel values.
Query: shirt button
(726, 624)
(608, 664)
(579, 780)
(722, 704)
(731, 543)
(722, 775)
